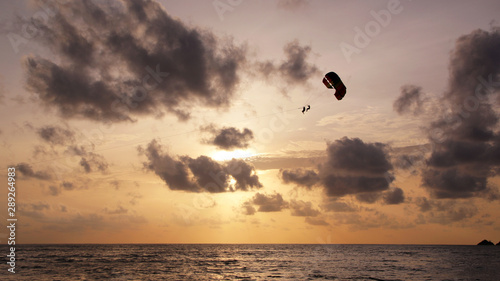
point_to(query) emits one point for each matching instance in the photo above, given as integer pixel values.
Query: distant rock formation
(486, 242)
(498, 244)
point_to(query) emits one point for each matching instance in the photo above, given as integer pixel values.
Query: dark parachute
(332, 81)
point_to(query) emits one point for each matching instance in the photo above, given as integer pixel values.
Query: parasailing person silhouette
(332, 81)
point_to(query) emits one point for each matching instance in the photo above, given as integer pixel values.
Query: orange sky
(180, 121)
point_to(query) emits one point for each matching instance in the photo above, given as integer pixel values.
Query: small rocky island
(486, 243)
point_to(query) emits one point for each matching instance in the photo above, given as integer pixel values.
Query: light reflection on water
(256, 262)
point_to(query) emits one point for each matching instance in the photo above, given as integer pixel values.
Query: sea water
(254, 262)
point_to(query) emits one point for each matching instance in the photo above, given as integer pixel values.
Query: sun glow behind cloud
(224, 155)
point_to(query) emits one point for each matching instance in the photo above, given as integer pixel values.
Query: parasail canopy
(332, 81)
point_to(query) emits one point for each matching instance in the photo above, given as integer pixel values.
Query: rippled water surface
(255, 262)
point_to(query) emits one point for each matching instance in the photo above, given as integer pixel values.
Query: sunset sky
(180, 121)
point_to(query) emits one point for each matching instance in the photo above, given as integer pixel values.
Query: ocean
(254, 262)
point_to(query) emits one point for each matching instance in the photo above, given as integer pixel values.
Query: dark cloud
(474, 62)
(368, 197)
(453, 183)
(394, 196)
(302, 209)
(453, 153)
(27, 171)
(373, 219)
(134, 197)
(352, 167)
(42, 151)
(174, 172)
(353, 156)
(56, 135)
(81, 222)
(302, 177)
(444, 211)
(120, 60)
(411, 100)
(315, 221)
(54, 190)
(295, 69)
(335, 205)
(92, 162)
(269, 203)
(39, 206)
(229, 138)
(120, 210)
(205, 171)
(243, 173)
(34, 210)
(68, 185)
(457, 214)
(76, 150)
(466, 151)
(266, 68)
(423, 203)
(355, 167)
(410, 158)
(409, 161)
(77, 184)
(201, 174)
(338, 186)
(248, 208)
(89, 161)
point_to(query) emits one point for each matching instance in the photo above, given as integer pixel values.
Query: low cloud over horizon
(201, 174)
(352, 167)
